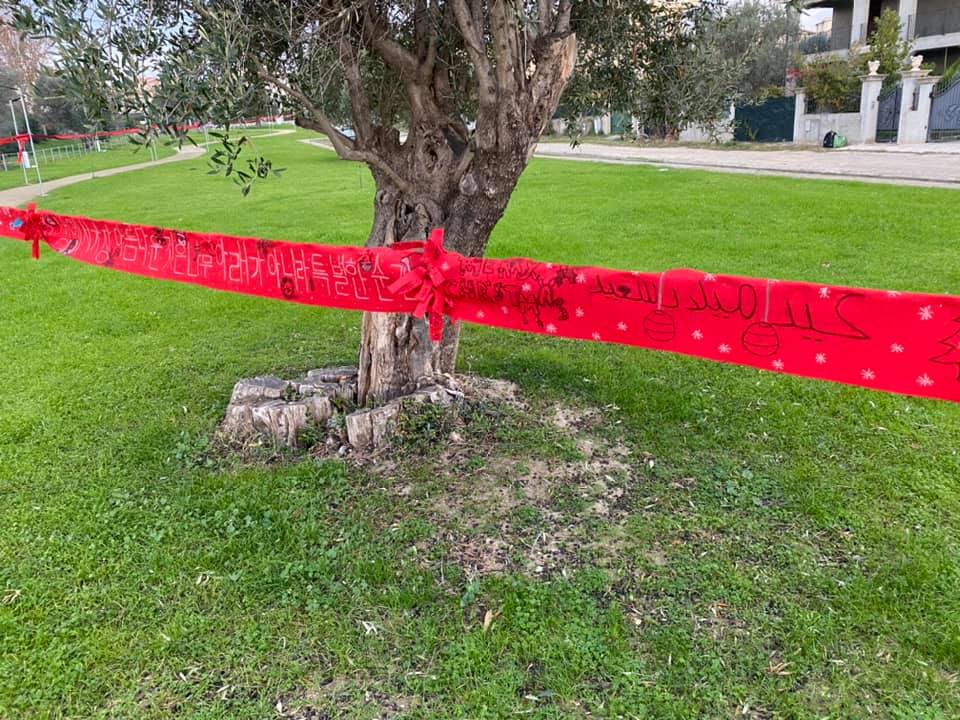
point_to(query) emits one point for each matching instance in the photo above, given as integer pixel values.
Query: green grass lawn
(65, 162)
(789, 548)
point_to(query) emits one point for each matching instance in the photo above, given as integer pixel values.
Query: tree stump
(320, 407)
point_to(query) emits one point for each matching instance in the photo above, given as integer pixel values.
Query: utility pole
(33, 148)
(16, 131)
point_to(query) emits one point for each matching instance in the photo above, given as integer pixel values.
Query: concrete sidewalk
(935, 166)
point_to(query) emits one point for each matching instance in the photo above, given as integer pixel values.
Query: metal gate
(770, 121)
(945, 114)
(888, 115)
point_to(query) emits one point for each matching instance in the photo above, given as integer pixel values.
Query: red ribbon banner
(897, 342)
(23, 138)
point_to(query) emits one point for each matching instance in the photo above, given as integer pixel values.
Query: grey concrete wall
(842, 25)
(814, 127)
(937, 17)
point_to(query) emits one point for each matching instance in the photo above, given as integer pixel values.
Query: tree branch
(545, 16)
(366, 156)
(344, 146)
(393, 53)
(473, 39)
(359, 102)
(341, 143)
(563, 16)
(503, 27)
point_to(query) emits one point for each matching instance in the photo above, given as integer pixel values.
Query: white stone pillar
(799, 110)
(859, 22)
(869, 93)
(914, 122)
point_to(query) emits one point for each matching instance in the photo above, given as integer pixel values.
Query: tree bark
(396, 353)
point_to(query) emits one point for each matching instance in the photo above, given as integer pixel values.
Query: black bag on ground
(828, 139)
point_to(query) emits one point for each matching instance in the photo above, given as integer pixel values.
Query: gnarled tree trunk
(444, 174)
(396, 352)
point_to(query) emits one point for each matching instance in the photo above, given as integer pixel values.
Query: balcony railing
(939, 22)
(815, 43)
(837, 38)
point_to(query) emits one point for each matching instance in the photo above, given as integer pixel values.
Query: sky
(810, 18)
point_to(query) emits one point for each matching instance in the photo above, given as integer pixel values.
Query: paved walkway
(22, 195)
(933, 166)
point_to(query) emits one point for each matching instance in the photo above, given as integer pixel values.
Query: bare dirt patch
(341, 698)
(514, 488)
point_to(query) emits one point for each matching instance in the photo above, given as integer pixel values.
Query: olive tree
(472, 83)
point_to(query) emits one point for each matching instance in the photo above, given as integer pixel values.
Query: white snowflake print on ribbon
(526, 287)
(504, 309)
(821, 358)
(777, 364)
(697, 334)
(824, 293)
(926, 312)
(481, 314)
(622, 326)
(579, 312)
(868, 374)
(724, 349)
(924, 380)
(581, 278)
(595, 336)
(896, 348)
(709, 277)
(551, 328)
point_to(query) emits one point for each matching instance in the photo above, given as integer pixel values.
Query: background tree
(662, 62)
(887, 45)
(53, 110)
(23, 57)
(763, 38)
(9, 81)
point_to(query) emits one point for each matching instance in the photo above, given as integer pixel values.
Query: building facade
(932, 27)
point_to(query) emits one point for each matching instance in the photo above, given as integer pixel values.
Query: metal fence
(50, 154)
(945, 114)
(769, 121)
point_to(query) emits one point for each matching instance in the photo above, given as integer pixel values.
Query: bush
(949, 75)
(831, 85)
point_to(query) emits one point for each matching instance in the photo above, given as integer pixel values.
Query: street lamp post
(16, 131)
(33, 148)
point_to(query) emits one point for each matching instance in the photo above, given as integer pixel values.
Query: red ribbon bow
(33, 229)
(427, 279)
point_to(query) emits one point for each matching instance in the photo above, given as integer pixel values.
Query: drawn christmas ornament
(761, 339)
(951, 356)
(659, 325)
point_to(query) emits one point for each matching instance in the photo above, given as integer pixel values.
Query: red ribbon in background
(24, 138)
(898, 342)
